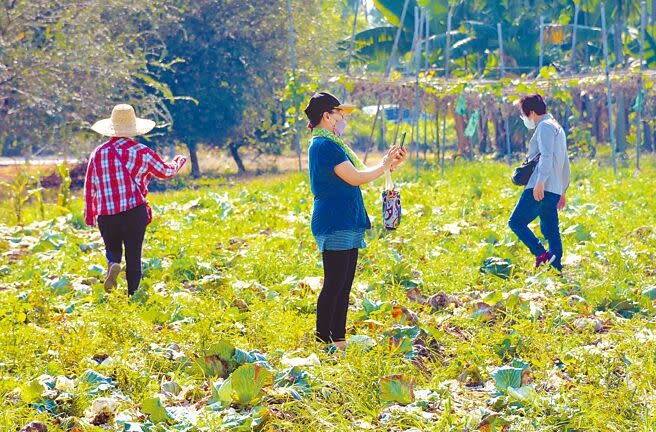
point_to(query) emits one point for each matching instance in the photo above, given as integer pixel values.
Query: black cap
(320, 103)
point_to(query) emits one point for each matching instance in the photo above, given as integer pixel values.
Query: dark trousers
(127, 229)
(526, 211)
(332, 306)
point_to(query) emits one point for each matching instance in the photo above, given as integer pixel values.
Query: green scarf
(340, 142)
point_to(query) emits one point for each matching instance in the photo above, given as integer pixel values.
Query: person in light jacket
(545, 193)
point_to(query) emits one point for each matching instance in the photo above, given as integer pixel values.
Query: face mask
(530, 124)
(340, 127)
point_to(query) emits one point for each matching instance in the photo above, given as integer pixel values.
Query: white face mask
(340, 127)
(530, 124)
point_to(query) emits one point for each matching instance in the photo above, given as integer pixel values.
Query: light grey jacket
(550, 143)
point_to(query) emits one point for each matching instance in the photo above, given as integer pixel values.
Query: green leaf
(496, 266)
(363, 342)
(509, 376)
(32, 391)
(211, 366)
(244, 385)
(650, 293)
(61, 285)
(392, 10)
(397, 389)
(523, 393)
(156, 411)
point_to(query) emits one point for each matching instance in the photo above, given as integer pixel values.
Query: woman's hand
(391, 158)
(347, 172)
(401, 156)
(538, 191)
(562, 202)
(388, 158)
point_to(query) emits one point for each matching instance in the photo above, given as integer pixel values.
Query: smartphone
(403, 140)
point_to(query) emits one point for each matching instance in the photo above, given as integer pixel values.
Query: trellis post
(641, 126)
(541, 42)
(448, 41)
(609, 102)
(446, 111)
(502, 70)
(576, 19)
(426, 65)
(355, 21)
(297, 140)
(502, 74)
(446, 77)
(417, 54)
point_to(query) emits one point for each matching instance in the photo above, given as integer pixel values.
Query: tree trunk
(463, 141)
(234, 152)
(620, 119)
(482, 133)
(498, 136)
(648, 139)
(193, 158)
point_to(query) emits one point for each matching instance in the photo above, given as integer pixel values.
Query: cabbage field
(449, 326)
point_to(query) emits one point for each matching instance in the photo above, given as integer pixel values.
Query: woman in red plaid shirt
(115, 190)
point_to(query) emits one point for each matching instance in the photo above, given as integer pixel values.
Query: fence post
(297, 139)
(417, 55)
(426, 67)
(576, 18)
(541, 42)
(448, 41)
(608, 88)
(446, 111)
(641, 126)
(355, 21)
(427, 36)
(502, 73)
(500, 36)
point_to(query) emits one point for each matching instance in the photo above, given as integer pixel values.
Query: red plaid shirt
(118, 175)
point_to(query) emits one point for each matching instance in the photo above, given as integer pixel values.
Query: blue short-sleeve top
(338, 206)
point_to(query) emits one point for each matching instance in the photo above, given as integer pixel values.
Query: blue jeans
(526, 211)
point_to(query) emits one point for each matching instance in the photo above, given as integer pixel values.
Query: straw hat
(123, 123)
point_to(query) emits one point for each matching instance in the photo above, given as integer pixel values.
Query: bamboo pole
(426, 65)
(427, 36)
(641, 126)
(541, 42)
(449, 15)
(576, 19)
(355, 22)
(446, 110)
(437, 131)
(417, 53)
(608, 88)
(502, 73)
(297, 140)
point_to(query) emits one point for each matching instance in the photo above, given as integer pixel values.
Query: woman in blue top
(339, 218)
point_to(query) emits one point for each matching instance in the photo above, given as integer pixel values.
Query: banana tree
(373, 46)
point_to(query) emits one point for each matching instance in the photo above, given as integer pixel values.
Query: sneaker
(112, 276)
(545, 258)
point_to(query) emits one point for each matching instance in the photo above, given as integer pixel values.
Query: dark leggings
(332, 305)
(126, 228)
